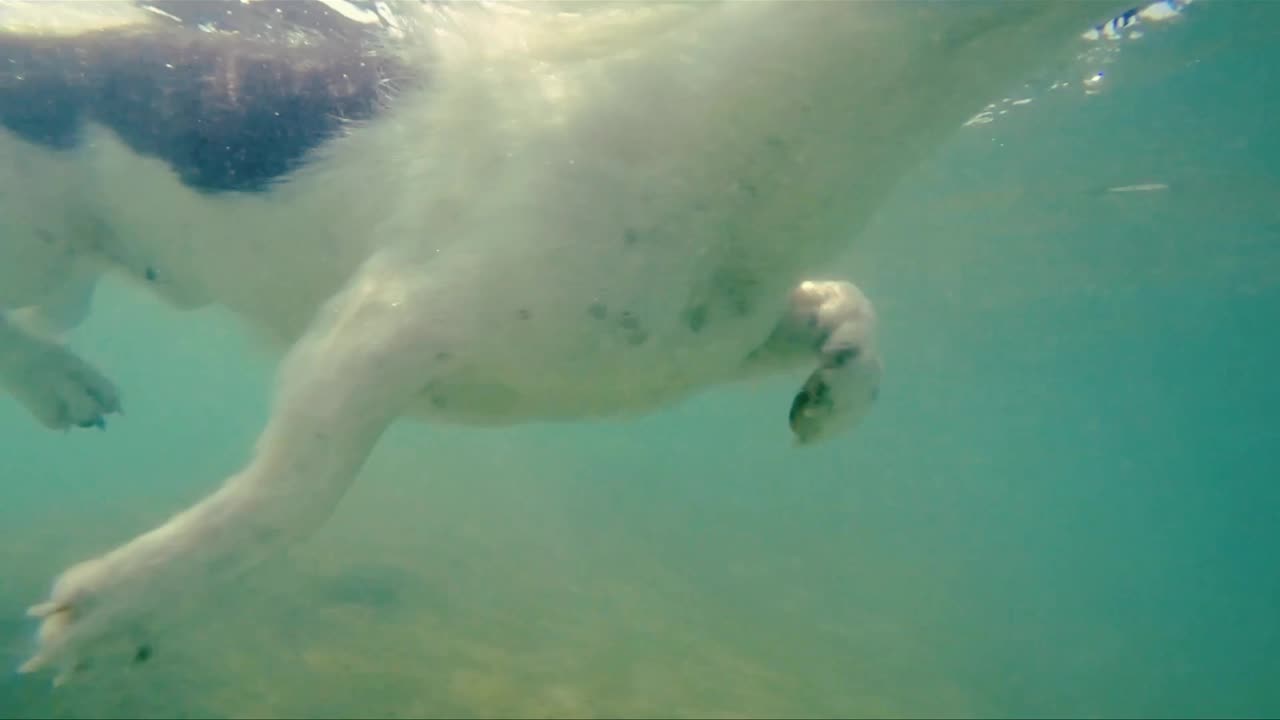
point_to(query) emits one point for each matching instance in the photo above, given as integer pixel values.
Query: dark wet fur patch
(225, 111)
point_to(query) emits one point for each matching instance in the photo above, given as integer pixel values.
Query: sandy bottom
(490, 592)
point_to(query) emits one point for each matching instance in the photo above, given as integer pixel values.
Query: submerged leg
(349, 376)
(834, 322)
(66, 306)
(58, 387)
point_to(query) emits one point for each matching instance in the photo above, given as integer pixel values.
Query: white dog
(461, 212)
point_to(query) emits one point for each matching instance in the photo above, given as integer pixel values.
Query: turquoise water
(1066, 502)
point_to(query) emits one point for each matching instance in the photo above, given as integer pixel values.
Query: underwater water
(1066, 502)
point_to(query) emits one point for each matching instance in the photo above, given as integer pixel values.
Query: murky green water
(1066, 503)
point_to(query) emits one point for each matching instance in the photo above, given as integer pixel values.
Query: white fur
(449, 260)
